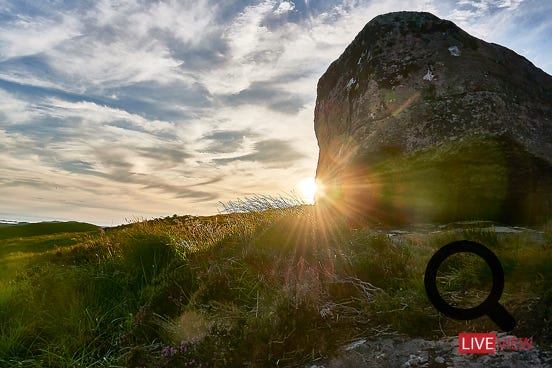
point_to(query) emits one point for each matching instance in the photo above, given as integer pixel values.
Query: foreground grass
(280, 287)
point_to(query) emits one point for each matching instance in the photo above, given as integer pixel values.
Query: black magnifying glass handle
(499, 315)
(490, 307)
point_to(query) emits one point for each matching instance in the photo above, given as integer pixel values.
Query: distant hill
(21, 230)
(11, 223)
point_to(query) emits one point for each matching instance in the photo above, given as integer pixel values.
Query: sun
(307, 189)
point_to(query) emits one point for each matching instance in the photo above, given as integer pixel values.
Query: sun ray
(308, 189)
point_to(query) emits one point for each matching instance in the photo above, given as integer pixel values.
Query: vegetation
(478, 177)
(274, 287)
(44, 228)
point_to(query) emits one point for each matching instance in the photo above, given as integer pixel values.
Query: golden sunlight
(307, 189)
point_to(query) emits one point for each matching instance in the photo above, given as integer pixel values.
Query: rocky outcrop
(419, 121)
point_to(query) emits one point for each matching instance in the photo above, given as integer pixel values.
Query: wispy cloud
(271, 152)
(13, 110)
(27, 35)
(227, 141)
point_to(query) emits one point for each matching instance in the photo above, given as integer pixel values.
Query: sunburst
(308, 189)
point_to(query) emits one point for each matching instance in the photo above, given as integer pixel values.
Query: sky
(113, 111)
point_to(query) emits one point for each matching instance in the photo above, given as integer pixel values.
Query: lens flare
(307, 189)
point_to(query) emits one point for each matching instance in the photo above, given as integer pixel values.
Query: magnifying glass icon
(489, 306)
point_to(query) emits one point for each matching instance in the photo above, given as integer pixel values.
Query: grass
(21, 243)
(44, 228)
(274, 286)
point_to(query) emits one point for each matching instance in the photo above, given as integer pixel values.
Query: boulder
(418, 121)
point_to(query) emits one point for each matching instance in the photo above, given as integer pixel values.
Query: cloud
(471, 11)
(165, 156)
(267, 94)
(118, 63)
(24, 35)
(271, 152)
(120, 43)
(94, 114)
(519, 25)
(227, 141)
(483, 6)
(284, 7)
(13, 110)
(84, 138)
(77, 166)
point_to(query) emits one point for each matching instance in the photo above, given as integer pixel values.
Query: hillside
(44, 228)
(286, 287)
(21, 243)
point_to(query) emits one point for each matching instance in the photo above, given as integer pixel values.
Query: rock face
(419, 121)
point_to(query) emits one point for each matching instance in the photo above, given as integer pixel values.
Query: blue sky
(113, 110)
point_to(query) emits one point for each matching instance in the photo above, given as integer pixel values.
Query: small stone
(355, 344)
(439, 360)
(429, 76)
(454, 50)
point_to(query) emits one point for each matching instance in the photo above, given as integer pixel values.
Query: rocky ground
(460, 227)
(395, 352)
(404, 352)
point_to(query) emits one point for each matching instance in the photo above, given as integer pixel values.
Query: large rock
(419, 121)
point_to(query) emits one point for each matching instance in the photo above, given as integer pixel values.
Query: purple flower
(166, 351)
